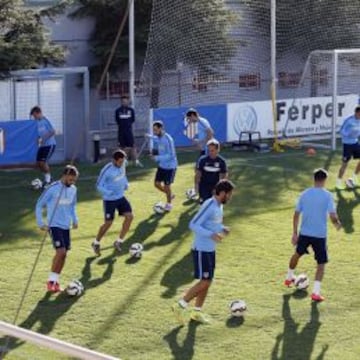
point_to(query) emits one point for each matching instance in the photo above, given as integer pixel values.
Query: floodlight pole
(334, 104)
(131, 5)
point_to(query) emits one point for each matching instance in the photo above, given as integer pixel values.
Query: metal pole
(334, 103)
(132, 51)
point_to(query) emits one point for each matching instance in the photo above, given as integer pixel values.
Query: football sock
(96, 242)
(290, 274)
(197, 308)
(119, 240)
(47, 177)
(316, 289)
(183, 303)
(54, 277)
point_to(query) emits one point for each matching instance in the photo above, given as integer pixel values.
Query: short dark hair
(35, 109)
(158, 124)
(192, 111)
(70, 170)
(357, 109)
(320, 174)
(124, 96)
(119, 154)
(224, 185)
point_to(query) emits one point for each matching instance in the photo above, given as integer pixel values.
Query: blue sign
(183, 133)
(18, 142)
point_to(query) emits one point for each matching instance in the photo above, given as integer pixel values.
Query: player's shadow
(184, 351)
(49, 309)
(234, 322)
(295, 343)
(178, 274)
(345, 208)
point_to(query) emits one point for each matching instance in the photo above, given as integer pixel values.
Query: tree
(195, 33)
(108, 15)
(24, 40)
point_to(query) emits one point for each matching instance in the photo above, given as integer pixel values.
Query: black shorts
(122, 205)
(205, 192)
(60, 238)
(126, 139)
(204, 264)
(318, 244)
(351, 151)
(44, 153)
(165, 176)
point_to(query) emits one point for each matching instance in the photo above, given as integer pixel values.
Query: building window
(249, 81)
(199, 82)
(117, 88)
(289, 79)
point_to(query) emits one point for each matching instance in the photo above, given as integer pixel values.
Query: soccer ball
(36, 184)
(237, 308)
(75, 288)
(159, 208)
(302, 282)
(190, 194)
(136, 250)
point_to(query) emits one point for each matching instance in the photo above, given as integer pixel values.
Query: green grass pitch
(125, 310)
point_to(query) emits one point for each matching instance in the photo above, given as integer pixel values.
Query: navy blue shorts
(205, 192)
(126, 138)
(318, 244)
(204, 264)
(44, 153)
(122, 205)
(60, 238)
(351, 151)
(165, 176)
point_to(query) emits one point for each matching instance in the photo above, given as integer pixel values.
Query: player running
(59, 199)
(166, 160)
(210, 169)
(47, 143)
(314, 204)
(112, 184)
(209, 230)
(350, 132)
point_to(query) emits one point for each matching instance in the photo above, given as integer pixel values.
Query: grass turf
(125, 310)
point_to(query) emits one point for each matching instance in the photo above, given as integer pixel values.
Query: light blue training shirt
(207, 221)
(350, 130)
(166, 157)
(203, 126)
(112, 181)
(44, 127)
(60, 203)
(315, 204)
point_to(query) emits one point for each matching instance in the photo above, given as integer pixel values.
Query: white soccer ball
(159, 208)
(237, 308)
(302, 282)
(36, 184)
(190, 194)
(75, 288)
(136, 250)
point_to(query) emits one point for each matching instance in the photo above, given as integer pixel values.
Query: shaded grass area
(125, 310)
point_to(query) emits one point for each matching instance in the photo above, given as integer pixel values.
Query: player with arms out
(125, 118)
(112, 184)
(47, 143)
(350, 132)
(314, 205)
(209, 230)
(210, 169)
(166, 160)
(59, 199)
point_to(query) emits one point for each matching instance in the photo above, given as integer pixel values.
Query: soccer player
(204, 134)
(210, 169)
(125, 118)
(350, 132)
(167, 162)
(59, 199)
(47, 143)
(112, 184)
(209, 230)
(314, 204)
